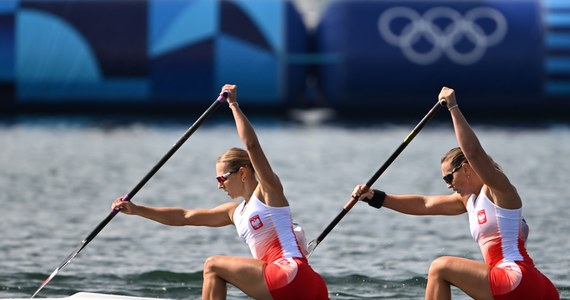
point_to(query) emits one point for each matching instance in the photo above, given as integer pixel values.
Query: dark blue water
(58, 177)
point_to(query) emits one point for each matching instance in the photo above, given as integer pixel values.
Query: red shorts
(520, 281)
(293, 278)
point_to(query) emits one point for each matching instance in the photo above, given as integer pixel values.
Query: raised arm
(500, 189)
(270, 190)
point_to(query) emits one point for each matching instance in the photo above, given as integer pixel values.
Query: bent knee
(211, 264)
(439, 266)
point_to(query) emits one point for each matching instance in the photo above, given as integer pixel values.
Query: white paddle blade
(312, 245)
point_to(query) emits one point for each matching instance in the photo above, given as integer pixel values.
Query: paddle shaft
(157, 166)
(376, 175)
(222, 98)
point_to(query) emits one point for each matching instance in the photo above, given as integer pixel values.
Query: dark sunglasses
(222, 178)
(449, 177)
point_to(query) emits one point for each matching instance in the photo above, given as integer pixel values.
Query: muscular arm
(270, 185)
(500, 189)
(426, 205)
(172, 216)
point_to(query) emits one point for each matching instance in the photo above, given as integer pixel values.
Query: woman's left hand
(362, 193)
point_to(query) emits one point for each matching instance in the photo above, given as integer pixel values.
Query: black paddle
(222, 98)
(314, 243)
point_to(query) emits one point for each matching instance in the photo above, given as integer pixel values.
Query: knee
(438, 267)
(210, 265)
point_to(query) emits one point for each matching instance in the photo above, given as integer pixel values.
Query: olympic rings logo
(443, 39)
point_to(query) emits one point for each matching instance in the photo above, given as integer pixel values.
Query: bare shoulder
(271, 197)
(507, 197)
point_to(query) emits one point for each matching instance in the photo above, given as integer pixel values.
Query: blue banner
(398, 54)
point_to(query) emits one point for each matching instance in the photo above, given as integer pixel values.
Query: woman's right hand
(447, 95)
(126, 207)
(232, 97)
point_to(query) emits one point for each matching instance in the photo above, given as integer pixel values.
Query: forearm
(258, 159)
(244, 128)
(165, 215)
(466, 137)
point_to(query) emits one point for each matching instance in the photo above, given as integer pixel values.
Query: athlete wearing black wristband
(377, 199)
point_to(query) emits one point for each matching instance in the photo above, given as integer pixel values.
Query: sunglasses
(222, 178)
(449, 177)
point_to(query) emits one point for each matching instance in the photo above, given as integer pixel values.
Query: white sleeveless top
(498, 231)
(268, 231)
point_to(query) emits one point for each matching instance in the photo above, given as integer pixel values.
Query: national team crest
(481, 217)
(255, 222)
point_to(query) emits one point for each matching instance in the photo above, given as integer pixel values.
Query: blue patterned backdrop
(167, 51)
(361, 53)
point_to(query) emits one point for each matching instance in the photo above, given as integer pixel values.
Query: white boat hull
(91, 296)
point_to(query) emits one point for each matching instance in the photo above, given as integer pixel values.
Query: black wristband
(378, 199)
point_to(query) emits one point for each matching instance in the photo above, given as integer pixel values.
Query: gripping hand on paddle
(231, 89)
(362, 193)
(126, 207)
(374, 198)
(447, 98)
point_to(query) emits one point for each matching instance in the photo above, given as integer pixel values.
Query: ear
(242, 173)
(467, 169)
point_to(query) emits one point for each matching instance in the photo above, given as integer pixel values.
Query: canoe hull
(91, 296)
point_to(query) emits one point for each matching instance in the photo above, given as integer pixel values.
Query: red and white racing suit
(268, 231)
(499, 233)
